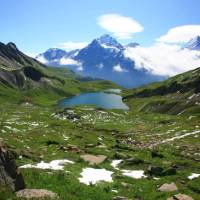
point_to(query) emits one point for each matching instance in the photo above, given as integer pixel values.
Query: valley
(137, 141)
(86, 152)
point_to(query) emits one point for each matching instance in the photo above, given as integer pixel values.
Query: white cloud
(122, 27)
(164, 59)
(72, 45)
(69, 61)
(180, 34)
(100, 66)
(118, 68)
(41, 59)
(31, 54)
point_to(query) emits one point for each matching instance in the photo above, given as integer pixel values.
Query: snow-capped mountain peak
(108, 41)
(194, 44)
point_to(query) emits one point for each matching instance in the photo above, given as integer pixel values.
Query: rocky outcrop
(35, 194)
(10, 176)
(12, 78)
(168, 187)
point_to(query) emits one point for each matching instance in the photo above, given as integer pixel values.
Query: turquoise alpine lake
(98, 99)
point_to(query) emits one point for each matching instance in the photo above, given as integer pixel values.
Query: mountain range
(105, 58)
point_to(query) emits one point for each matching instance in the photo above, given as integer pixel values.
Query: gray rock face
(10, 177)
(36, 194)
(12, 78)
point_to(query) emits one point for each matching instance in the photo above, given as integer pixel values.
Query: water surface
(98, 99)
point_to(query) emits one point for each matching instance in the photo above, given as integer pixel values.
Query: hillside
(25, 78)
(179, 94)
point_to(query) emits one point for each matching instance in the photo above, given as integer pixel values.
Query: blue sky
(36, 25)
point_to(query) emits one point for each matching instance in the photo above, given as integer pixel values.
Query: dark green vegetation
(161, 130)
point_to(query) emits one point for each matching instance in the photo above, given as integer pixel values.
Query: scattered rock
(180, 197)
(168, 187)
(94, 160)
(90, 145)
(120, 198)
(51, 142)
(156, 154)
(36, 194)
(10, 176)
(155, 171)
(73, 148)
(126, 185)
(134, 161)
(159, 171)
(170, 171)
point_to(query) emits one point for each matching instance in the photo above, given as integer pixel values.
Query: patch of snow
(156, 178)
(115, 191)
(193, 176)
(65, 137)
(93, 176)
(191, 97)
(115, 163)
(180, 136)
(137, 174)
(54, 165)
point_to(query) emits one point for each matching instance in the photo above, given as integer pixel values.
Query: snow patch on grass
(137, 174)
(115, 163)
(53, 165)
(93, 176)
(193, 176)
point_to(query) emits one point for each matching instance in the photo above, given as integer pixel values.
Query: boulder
(155, 171)
(36, 194)
(10, 176)
(180, 197)
(170, 171)
(168, 187)
(94, 160)
(159, 171)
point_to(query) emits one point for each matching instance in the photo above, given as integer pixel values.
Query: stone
(168, 187)
(94, 160)
(134, 161)
(156, 154)
(126, 185)
(155, 171)
(36, 194)
(180, 197)
(120, 198)
(10, 176)
(170, 171)
(73, 148)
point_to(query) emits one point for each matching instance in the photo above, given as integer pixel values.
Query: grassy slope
(175, 95)
(27, 128)
(61, 83)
